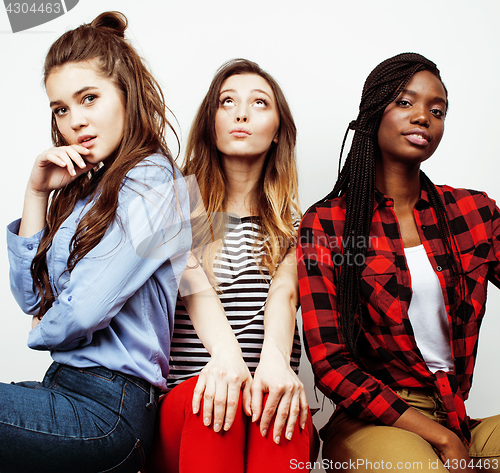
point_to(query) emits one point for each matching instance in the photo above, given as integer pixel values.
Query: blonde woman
(242, 152)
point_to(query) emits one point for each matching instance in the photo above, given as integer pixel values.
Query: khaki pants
(354, 445)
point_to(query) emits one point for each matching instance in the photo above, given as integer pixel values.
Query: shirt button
(30, 247)
(70, 298)
(438, 268)
(423, 227)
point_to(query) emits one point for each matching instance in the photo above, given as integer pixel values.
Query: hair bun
(113, 21)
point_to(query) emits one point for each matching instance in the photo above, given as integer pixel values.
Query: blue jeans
(76, 420)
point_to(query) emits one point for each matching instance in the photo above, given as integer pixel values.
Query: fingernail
(226, 426)
(303, 426)
(195, 410)
(217, 427)
(73, 172)
(276, 440)
(264, 432)
(289, 435)
(206, 421)
(254, 417)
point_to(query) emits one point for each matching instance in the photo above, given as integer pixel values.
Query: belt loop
(152, 397)
(149, 405)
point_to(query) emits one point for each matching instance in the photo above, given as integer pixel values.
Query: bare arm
(226, 374)
(52, 170)
(287, 400)
(446, 442)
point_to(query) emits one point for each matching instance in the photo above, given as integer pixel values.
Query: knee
(369, 448)
(179, 400)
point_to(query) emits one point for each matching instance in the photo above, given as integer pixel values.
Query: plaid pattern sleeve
(390, 358)
(337, 375)
(494, 269)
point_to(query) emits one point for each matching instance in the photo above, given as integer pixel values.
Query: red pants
(183, 444)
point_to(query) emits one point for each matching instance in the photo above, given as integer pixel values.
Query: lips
(240, 132)
(86, 140)
(418, 136)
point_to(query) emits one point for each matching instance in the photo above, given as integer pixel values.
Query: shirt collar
(384, 200)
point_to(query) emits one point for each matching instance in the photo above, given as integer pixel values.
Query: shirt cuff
(389, 407)
(35, 339)
(22, 247)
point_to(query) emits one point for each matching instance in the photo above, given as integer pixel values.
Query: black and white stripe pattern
(244, 293)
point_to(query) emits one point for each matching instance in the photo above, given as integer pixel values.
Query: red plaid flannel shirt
(390, 357)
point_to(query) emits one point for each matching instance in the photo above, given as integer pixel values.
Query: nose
(420, 116)
(78, 120)
(241, 114)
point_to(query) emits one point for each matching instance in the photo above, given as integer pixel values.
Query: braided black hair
(357, 179)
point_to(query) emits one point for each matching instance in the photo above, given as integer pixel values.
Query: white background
(321, 52)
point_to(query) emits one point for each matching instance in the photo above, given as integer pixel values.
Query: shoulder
(464, 201)
(296, 218)
(156, 180)
(324, 215)
(156, 167)
(156, 172)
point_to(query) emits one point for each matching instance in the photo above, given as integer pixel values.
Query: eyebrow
(253, 90)
(437, 98)
(75, 95)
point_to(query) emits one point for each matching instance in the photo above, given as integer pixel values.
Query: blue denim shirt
(116, 308)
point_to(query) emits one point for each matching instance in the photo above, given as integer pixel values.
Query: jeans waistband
(154, 392)
(135, 379)
(146, 386)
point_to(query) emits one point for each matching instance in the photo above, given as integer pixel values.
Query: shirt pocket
(475, 263)
(476, 259)
(379, 289)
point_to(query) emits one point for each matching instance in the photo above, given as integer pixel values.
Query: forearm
(34, 212)
(206, 312)
(449, 447)
(431, 431)
(226, 374)
(281, 309)
(279, 324)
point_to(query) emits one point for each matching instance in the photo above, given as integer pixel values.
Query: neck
(242, 178)
(400, 182)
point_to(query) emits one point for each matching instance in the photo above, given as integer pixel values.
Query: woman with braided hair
(393, 273)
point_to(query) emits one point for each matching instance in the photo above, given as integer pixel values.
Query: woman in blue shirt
(104, 238)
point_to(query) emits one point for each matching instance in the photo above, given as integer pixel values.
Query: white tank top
(427, 312)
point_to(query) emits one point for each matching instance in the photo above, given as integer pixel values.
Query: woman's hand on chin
(56, 167)
(219, 386)
(287, 401)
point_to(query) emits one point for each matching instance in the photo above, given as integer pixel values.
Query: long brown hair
(277, 198)
(103, 42)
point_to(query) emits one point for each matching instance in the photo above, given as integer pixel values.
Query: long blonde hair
(277, 198)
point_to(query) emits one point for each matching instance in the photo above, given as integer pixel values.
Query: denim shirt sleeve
(150, 228)
(21, 252)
